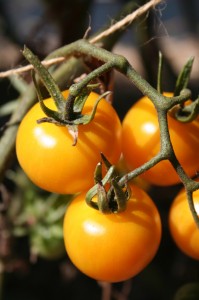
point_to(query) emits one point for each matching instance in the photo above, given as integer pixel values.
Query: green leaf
(106, 161)
(48, 112)
(98, 173)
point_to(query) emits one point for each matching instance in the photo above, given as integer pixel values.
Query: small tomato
(112, 247)
(46, 154)
(182, 225)
(141, 142)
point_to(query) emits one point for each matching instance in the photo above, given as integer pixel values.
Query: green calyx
(112, 199)
(183, 113)
(68, 111)
(186, 113)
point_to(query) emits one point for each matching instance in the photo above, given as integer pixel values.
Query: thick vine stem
(162, 104)
(84, 48)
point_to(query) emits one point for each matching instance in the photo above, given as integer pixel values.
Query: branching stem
(162, 104)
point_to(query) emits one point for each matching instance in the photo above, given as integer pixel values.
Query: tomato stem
(161, 103)
(192, 206)
(108, 61)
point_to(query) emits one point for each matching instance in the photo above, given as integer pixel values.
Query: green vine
(161, 103)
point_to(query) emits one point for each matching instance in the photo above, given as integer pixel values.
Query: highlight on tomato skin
(141, 142)
(46, 154)
(112, 247)
(183, 228)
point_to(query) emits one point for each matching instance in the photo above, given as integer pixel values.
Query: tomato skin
(112, 247)
(46, 154)
(141, 142)
(182, 226)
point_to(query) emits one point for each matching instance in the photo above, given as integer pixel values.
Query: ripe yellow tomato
(141, 142)
(112, 247)
(182, 225)
(46, 154)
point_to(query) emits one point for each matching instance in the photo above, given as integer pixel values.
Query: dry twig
(115, 27)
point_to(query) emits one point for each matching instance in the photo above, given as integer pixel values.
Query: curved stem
(192, 207)
(121, 64)
(75, 89)
(136, 172)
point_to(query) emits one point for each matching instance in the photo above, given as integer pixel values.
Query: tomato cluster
(111, 247)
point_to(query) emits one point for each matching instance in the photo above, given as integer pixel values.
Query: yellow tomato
(112, 247)
(182, 225)
(46, 154)
(141, 142)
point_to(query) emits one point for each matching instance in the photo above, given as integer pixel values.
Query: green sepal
(93, 191)
(106, 161)
(102, 200)
(85, 119)
(53, 115)
(66, 114)
(183, 78)
(80, 101)
(188, 113)
(98, 173)
(121, 195)
(48, 112)
(108, 165)
(46, 78)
